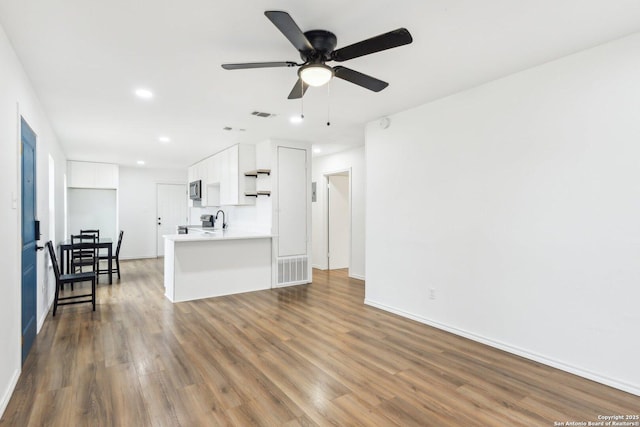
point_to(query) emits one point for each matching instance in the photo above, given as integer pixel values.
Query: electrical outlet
(432, 293)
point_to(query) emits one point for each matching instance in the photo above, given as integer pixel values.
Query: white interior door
(292, 201)
(172, 211)
(339, 223)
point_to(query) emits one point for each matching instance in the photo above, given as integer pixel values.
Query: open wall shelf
(258, 193)
(258, 172)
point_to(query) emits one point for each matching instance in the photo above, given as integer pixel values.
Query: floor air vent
(293, 270)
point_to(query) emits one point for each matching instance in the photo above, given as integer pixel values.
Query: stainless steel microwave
(195, 190)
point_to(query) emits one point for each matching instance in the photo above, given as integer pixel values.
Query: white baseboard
(9, 391)
(129, 258)
(629, 388)
(318, 267)
(356, 276)
(297, 283)
(45, 314)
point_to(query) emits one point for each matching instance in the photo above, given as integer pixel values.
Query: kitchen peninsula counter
(209, 263)
(199, 233)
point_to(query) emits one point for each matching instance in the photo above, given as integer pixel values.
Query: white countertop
(217, 234)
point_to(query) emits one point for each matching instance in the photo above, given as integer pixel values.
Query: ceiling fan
(316, 47)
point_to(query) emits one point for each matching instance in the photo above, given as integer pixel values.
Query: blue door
(29, 260)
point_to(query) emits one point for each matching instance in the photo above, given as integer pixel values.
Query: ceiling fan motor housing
(323, 42)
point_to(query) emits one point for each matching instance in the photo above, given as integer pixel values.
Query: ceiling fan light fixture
(315, 74)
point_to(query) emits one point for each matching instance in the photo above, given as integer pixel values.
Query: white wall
(518, 203)
(239, 217)
(92, 209)
(353, 160)
(17, 98)
(137, 204)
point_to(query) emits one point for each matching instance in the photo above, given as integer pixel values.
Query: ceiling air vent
(261, 114)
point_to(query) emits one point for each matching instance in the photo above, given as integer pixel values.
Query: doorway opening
(338, 220)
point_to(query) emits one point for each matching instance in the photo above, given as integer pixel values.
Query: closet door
(292, 202)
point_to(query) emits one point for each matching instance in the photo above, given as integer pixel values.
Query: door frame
(325, 177)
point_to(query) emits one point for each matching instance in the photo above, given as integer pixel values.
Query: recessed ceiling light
(295, 119)
(164, 139)
(143, 93)
(317, 150)
(140, 162)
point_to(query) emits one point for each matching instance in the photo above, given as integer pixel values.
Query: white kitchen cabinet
(246, 161)
(231, 181)
(205, 172)
(92, 175)
(212, 184)
(213, 169)
(230, 166)
(222, 176)
(226, 198)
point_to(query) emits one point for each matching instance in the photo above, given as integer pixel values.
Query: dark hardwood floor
(304, 355)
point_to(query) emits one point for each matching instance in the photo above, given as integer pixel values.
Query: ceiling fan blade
(290, 29)
(258, 65)
(360, 79)
(298, 90)
(385, 41)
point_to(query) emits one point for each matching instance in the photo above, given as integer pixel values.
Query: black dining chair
(114, 258)
(83, 252)
(61, 279)
(93, 232)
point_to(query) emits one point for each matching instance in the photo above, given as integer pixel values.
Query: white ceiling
(85, 58)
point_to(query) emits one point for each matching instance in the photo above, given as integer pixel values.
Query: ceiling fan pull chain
(328, 103)
(302, 101)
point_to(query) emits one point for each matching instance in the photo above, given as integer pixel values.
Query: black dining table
(102, 243)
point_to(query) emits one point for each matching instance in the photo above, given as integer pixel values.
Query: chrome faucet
(224, 223)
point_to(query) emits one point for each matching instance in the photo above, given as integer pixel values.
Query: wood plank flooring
(299, 356)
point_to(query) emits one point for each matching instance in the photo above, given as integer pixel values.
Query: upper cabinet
(222, 176)
(92, 175)
(233, 186)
